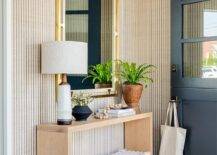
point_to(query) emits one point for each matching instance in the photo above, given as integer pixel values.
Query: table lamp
(64, 57)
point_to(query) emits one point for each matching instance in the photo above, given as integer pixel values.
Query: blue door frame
(198, 97)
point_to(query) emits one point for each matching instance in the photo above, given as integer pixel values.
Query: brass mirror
(97, 23)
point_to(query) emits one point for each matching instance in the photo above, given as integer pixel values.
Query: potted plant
(101, 75)
(133, 75)
(81, 110)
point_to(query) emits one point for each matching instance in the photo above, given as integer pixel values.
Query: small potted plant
(81, 110)
(133, 75)
(101, 75)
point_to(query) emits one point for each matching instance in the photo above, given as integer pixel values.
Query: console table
(53, 139)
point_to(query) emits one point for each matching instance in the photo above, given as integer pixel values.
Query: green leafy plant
(81, 99)
(134, 74)
(100, 73)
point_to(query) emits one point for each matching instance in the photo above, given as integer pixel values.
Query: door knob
(174, 68)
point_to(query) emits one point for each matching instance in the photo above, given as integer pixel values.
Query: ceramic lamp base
(64, 122)
(64, 107)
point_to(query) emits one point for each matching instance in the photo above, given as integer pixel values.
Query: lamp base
(64, 107)
(64, 122)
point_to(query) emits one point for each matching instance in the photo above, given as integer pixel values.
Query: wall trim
(7, 67)
(1, 80)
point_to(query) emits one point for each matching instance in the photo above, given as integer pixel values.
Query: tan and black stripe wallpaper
(145, 37)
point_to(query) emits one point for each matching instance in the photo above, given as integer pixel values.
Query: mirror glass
(90, 21)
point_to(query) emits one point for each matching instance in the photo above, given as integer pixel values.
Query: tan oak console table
(57, 140)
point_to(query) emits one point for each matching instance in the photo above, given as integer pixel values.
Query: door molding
(6, 76)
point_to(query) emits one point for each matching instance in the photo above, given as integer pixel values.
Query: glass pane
(76, 4)
(200, 19)
(200, 59)
(77, 28)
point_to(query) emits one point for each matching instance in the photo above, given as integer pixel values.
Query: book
(125, 152)
(121, 112)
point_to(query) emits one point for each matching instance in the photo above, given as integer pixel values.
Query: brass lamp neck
(63, 79)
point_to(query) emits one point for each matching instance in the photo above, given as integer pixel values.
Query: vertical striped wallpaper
(102, 141)
(33, 93)
(76, 27)
(145, 37)
(1, 77)
(106, 30)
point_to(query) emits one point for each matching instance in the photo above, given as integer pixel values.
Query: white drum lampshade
(64, 57)
(68, 57)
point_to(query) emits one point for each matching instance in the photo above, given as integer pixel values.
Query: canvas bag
(173, 138)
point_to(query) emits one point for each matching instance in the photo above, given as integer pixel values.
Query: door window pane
(200, 59)
(200, 19)
(76, 28)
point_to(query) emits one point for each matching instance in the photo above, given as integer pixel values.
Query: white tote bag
(173, 138)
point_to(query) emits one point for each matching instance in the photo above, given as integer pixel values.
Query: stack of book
(121, 112)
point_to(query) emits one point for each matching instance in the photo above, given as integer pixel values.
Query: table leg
(138, 135)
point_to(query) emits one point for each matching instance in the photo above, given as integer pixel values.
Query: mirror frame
(60, 36)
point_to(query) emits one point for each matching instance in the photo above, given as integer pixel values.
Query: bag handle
(169, 114)
(175, 115)
(172, 110)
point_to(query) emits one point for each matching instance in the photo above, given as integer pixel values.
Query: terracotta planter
(132, 94)
(98, 86)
